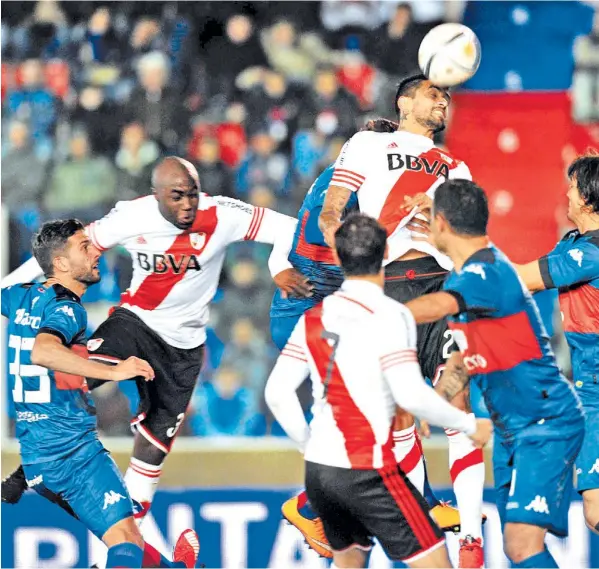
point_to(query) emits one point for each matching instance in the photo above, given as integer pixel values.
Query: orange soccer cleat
(448, 517)
(187, 548)
(472, 555)
(300, 515)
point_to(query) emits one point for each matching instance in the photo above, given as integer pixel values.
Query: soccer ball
(449, 54)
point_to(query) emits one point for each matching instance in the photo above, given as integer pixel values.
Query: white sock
(142, 479)
(409, 456)
(467, 470)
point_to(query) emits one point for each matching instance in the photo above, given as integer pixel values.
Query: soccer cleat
(311, 529)
(187, 549)
(472, 555)
(448, 517)
(14, 486)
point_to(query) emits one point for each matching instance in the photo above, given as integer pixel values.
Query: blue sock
(428, 493)
(126, 555)
(543, 560)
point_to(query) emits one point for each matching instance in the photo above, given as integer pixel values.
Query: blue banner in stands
(238, 528)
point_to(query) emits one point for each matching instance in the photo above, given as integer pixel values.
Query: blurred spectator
(585, 87)
(84, 186)
(224, 406)
(239, 48)
(35, 105)
(275, 103)
(367, 14)
(285, 54)
(309, 149)
(156, 104)
(246, 294)
(134, 162)
(22, 171)
(102, 118)
(102, 44)
(215, 177)
(263, 165)
(23, 176)
(393, 48)
(249, 354)
(145, 37)
(328, 106)
(44, 34)
(358, 77)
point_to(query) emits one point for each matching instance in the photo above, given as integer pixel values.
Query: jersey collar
(357, 287)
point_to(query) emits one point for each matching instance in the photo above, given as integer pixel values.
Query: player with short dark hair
(383, 170)
(177, 238)
(539, 424)
(359, 348)
(573, 268)
(56, 424)
(314, 259)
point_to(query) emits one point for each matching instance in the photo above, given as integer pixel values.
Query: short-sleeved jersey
(310, 254)
(573, 268)
(383, 168)
(506, 349)
(175, 271)
(349, 341)
(53, 413)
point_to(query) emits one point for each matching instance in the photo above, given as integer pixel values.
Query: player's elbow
(274, 396)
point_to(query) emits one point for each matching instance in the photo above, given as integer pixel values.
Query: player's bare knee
(145, 451)
(353, 557)
(438, 558)
(124, 531)
(590, 501)
(522, 541)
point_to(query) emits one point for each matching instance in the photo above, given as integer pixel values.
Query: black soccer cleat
(14, 486)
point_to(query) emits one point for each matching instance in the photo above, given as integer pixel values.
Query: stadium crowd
(259, 96)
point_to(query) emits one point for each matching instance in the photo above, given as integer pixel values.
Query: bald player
(177, 238)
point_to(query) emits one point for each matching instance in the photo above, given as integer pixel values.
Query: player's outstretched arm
(332, 210)
(454, 379)
(433, 307)
(49, 352)
(26, 273)
(531, 275)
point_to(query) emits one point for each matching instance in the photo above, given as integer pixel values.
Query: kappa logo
(476, 269)
(577, 255)
(68, 311)
(197, 240)
(538, 505)
(111, 498)
(94, 344)
(595, 468)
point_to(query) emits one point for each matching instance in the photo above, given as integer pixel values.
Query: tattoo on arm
(454, 379)
(332, 209)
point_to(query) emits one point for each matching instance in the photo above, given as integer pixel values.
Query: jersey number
(333, 341)
(19, 371)
(447, 345)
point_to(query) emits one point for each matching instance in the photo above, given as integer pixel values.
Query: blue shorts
(89, 481)
(534, 479)
(587, 461)
(281, 328)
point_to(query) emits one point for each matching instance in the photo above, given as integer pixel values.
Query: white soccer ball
(449, 54)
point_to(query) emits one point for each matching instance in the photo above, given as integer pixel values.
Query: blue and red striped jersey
(310, 255)
(506, 348)
(573, 268)
(54, 413)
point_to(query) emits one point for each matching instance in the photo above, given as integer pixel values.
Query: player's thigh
(503, 473)
(542, 482)
(330, 491)
(393, 511)
(91, 483)
(281, 328)
(39, 479)
(587, 461)
(169, 395)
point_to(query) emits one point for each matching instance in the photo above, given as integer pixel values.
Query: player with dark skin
(178, 194)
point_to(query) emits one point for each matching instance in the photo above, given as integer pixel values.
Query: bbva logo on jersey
(418, 163)
(167, 262)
